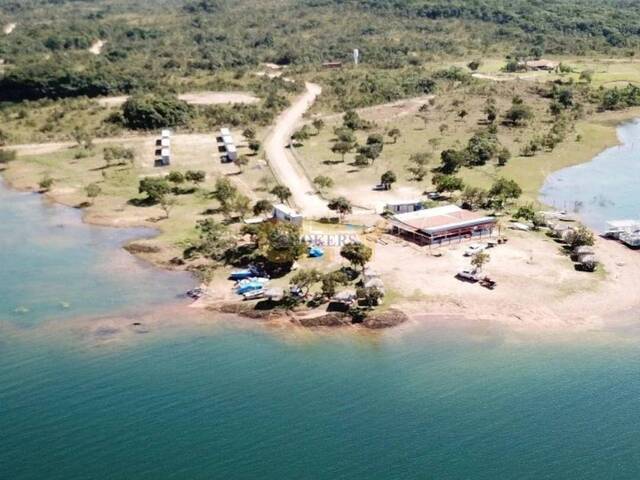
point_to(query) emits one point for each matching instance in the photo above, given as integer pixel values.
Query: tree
(118, 154)
(480, 259)
(262, 206)
(176, 177)
(473, 197)
(45, 183)
(195, 176)
(462, 113)
(491, 110)
(299, 136)
(167, 203)
(352, 120)
(241, 161)
(318, 124)
(341, 148)
(280, 242)
(340, 205)
(356, 253)
(451, 161)
(344, 134)
(241, 205)
(503, 156)
(151, 111)
(323, 182)
(254, 146)
(304, 279)
(481, 148)
(331, 282)
(474, 65)
(370, 152)
(281, 192)
(7, 156)
(376, 139)
(418, 165)
(155, 188)
(225, 193)
(525, 212)
(394, 134)
(581, 236)
(447, 183)
(505, 189)
(369, 296)
(93, 190)
(387, 179)
(518, 115)
(214, 240)
(249, 133)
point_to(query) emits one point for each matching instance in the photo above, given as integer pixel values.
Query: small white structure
(287, 214)
(163, 152)
(227, 146)
(405, 206)
(356, 56)
(232, 152)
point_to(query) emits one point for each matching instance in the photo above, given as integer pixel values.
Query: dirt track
(284, 165)
(194, 98)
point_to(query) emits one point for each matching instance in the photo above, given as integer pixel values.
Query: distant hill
(155, 40)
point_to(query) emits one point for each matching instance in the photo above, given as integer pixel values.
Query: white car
(473, 249)
(469, 275)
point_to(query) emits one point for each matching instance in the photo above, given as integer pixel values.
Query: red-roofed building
(433, 226)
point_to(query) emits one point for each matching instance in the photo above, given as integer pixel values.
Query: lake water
(607, 188)
(235, 402)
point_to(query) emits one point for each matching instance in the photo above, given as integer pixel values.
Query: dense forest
(170, 42)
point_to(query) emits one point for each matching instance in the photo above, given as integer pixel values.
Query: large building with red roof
(433, 226)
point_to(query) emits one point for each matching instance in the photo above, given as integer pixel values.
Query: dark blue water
(229, 400)
(606, 188)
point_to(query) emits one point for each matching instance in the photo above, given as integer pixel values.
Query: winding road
(282, 161)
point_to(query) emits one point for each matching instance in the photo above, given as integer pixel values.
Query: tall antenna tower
(356, 56)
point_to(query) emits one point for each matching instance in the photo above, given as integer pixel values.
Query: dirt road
(284, 165)
(194, 98)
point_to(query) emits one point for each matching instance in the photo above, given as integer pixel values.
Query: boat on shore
(617, 228)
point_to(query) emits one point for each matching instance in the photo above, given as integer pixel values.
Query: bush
(150, 111)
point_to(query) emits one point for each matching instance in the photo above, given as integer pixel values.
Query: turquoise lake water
(234, 402)
(607, 188)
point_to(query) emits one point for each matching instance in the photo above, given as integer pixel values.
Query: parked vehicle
(473, 249)
(468, 275)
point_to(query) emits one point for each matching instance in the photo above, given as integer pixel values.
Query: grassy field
(592, 134)
(606, 72)
(418, 135)
(119, 184)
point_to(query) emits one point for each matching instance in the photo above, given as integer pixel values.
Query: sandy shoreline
(538, 289)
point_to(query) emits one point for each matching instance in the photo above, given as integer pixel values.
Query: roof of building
(287, 210)
(438, 219)
(404, 202)
(224, 131)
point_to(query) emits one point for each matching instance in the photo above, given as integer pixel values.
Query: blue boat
(249, 287)
(241, 274)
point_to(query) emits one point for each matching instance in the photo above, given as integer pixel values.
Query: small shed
(406, 206)
(232, 152)
(287, 214)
